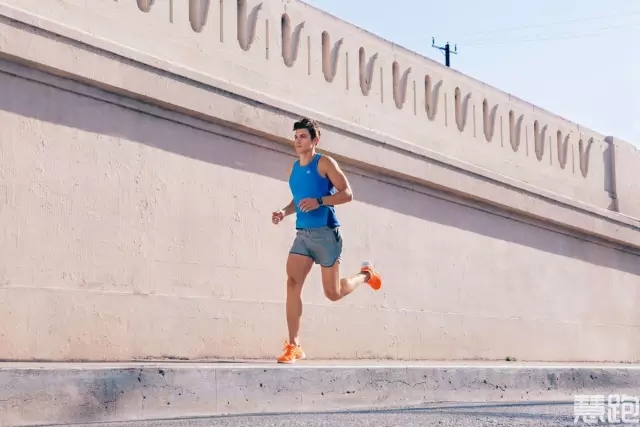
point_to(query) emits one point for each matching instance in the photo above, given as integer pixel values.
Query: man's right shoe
(375, 280)
(292, 353)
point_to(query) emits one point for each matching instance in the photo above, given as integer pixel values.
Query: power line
(446, 49)
(570, 21)
(551, 36)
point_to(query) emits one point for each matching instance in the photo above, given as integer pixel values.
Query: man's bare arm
(289, 209)
(330, 168)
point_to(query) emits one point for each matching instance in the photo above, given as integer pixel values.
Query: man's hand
(281, 214)
(307, 205)
(277, 216)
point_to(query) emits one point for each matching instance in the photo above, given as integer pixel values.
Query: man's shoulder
(327, 161)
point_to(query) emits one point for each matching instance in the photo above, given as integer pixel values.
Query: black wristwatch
(319, 199)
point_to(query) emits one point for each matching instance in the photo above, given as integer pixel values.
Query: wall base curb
(84, 393)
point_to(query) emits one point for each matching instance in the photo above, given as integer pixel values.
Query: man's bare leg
(298, 267)
(336, 288)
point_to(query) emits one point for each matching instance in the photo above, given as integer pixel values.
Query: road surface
(544, 414)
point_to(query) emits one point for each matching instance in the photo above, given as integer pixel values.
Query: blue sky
(579, 59)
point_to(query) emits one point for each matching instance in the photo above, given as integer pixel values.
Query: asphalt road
(545, 414)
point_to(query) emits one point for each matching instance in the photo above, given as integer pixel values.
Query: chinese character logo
(619, 409)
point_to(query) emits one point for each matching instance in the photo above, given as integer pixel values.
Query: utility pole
(447, 51)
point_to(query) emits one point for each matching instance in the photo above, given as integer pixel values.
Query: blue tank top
(305, 182)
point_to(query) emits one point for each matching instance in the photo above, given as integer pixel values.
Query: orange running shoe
(291, 354)
(375, 280)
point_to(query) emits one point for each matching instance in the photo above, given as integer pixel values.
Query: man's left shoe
(292, 353)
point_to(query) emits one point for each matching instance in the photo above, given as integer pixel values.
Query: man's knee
(332, 290)
(332, 295)
(294, 284)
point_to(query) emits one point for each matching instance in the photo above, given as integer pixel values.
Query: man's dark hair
(310, 125)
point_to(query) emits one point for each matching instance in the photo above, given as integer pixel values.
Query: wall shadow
(44, 102)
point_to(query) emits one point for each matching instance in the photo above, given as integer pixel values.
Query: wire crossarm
(446, 49)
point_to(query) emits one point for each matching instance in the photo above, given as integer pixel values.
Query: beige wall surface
(289, 54)
(271, 118)
(130, 235)
(144, 145)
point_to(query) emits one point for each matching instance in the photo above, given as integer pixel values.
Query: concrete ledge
(35, 394)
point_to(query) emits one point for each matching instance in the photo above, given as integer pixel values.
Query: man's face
(303, 142)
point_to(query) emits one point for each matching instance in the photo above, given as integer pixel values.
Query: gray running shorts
(323, 245)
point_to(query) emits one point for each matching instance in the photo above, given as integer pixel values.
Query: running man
(317, 184)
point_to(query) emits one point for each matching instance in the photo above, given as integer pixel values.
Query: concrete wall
(140, 162)
(132, 236)
(289, 53)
